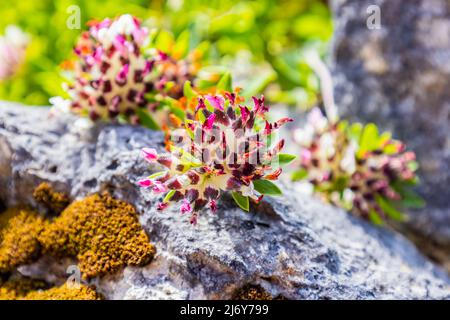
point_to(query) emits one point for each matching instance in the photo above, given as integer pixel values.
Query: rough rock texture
(291, 246)
(398, 76)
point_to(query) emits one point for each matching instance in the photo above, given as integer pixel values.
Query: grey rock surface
(398, 76)
(292, 245)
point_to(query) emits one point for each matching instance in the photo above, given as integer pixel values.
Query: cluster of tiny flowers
(349, 175)
(13, 47)
(112, 76)
(173, 74)
(224, 148)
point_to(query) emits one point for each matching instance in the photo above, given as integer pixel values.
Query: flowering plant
(13, 47)
(224, 146)
(117, 74)
(355, 167)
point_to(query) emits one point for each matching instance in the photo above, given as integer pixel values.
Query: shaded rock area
(291, 247)
(398, 76)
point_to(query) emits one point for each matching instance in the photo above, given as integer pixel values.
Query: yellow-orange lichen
(54, 201)
(65, 292)
(30, 289)
(19, 229)
(102, 232)
(252, 292)
(15, 289)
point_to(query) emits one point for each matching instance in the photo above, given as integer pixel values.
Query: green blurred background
(261, 42)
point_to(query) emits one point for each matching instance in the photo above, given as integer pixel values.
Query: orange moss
(30, 289)
(54, 201)
(19, 229)
(65, 292)
(19, 288)
(103, 233)
(252, 292)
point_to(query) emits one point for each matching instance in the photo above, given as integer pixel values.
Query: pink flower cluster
(13, 47)
(225, 148)
(355, 167)
(113, 76)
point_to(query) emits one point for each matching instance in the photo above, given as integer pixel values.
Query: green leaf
(225, 83)
(187, 158)
(369, 138)
(146, 119)
(390, 149)
(201, 116)
(188, 91)
(181, 47)
(169, 196)
(284, 158)
(164, 41)
(389, 209)
(409, 198)
(178, 112)
(241, 201)
(342, 125)
(168, 86)
(413, 165)
(174, 107)
(355, 131)
(257, 84)
(413, 201)
(299, 175)
(157, 174)
(375, 218)
(267, 187)
(385, 137)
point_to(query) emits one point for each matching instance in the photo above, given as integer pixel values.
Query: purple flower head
(219, 151)
(355, 167)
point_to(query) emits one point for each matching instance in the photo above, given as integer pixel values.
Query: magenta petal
(163, 56)
(145, 183)
(213, 206)
(139, 35)
(98, 55)
(231, 97)
(148, 66)
(210, 121)
(162, 205)
(193, 219)
(201, 104)
(185, 207)
(119, 44)
(282, 121)
(260, 108)
(122, 75)
(268, 128)
(104, 24)
(149, 154)
(245, 113)
(159, 187)
(217, 102)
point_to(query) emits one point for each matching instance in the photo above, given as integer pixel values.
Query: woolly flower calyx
(357, 168)
(225, 147)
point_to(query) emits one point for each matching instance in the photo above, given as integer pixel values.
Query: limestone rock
(398, 76)
(292, 246)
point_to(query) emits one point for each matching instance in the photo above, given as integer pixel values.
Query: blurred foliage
(272, 32)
